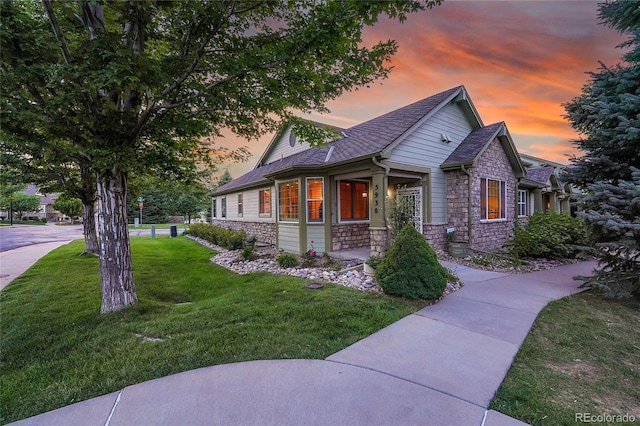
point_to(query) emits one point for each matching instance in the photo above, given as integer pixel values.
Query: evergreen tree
(607, 114)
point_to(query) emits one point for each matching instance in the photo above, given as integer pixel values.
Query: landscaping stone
(265, 261)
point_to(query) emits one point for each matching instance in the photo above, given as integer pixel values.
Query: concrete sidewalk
(14, 263)
(439, 366)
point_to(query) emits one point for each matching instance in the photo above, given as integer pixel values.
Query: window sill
(492, 220)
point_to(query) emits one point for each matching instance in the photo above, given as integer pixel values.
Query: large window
(265, 202)
(223, 207)
(315, 190)
(288, 201)
(240, 207)
(523, 202)
(354, 200)
(493, 199)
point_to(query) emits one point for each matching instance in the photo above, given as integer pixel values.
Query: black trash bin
(173, 230)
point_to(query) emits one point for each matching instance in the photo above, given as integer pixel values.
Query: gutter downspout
(386, 168)
(470, 207)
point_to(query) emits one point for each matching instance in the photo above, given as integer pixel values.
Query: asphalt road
(16, 236)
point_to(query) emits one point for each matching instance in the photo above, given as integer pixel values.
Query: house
(550, 194)
(436, 153)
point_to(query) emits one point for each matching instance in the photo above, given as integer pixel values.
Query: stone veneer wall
(265, 232)
(378, 237)
(493, 164)
(457, 204)
(436, 235)
(347, 236)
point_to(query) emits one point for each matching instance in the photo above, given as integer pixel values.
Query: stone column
(378, 225)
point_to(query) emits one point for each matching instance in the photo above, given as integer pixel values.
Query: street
(16, 236)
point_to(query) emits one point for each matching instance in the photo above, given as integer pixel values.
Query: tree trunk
(89, 227)
(118, 290)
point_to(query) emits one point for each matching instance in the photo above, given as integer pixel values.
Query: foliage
(607, 115)
(57, 350)
(373, 261)
(20, 203)
(227, 238)
(411, 268)
(612, 215)
(248, 253)
(287, 260)
(224, 178)
(309, 258)
(549, 235)
(400, 211)
(133, 86)
(68, 205)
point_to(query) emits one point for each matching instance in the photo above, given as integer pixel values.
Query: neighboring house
(46, 209)
(551, 193)
(437, 153)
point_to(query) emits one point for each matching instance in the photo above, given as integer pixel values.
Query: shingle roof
(540, 174)
(365, 139)
(473, 144)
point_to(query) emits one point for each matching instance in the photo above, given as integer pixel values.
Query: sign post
(141, 205)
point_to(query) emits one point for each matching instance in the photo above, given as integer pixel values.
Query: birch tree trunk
(118, 290)
(89, 227)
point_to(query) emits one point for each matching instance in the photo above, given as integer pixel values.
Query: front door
(412, 198)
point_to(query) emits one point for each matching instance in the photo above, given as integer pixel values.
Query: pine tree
(607, 114)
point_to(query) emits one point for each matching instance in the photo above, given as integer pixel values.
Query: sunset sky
(519, 60)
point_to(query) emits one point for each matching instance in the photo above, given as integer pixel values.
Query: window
(214, 209)
(315, 187)
(523, 203)
(223, 206)
(493, 199)
(288, 201)
(265, 202)
(354, 200)
(239, 205)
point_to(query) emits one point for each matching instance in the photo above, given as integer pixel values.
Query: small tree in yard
(20, 203)
(68, 206)
(411, 268)
(608, 115)
(130, 85)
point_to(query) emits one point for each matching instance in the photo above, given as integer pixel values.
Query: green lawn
(581, 356)
(56, 349)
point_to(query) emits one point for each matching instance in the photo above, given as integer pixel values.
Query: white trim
(278, 183)
(306, 200)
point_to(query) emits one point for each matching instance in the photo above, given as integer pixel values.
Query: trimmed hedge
(227, 238)
(549, 235)
(411, 268)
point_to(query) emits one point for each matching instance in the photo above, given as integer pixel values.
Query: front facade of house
(435, 154)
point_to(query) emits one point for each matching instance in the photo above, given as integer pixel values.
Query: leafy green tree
(140, 84)
(225, 178)
(19, 203)
(68, 205)
(607, 115)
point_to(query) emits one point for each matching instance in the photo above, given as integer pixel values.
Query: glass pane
(361, 190)
(346, 203)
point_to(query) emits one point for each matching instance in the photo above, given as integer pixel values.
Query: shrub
(550, 235)
(411, 268)
(286, 260)
(217, 235)
(248, 253)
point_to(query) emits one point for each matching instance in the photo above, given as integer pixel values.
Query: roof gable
(472, 147)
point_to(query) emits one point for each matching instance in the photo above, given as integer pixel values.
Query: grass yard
(581, 356)
(57, 350)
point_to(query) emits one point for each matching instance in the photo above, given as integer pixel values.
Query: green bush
(227, 238)
(286, 260)
(549, 235)
(411, 268)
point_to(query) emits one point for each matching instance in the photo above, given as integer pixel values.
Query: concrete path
(439, 366)
(14, 263)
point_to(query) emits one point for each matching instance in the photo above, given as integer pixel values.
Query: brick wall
(436, 235)
(350, 235)
(264, 232)
(493, 164)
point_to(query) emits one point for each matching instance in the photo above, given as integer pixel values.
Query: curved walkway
(438, 366)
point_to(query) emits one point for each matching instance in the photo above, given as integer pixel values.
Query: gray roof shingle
(472, 145)
(540, 174)
(368, 138)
